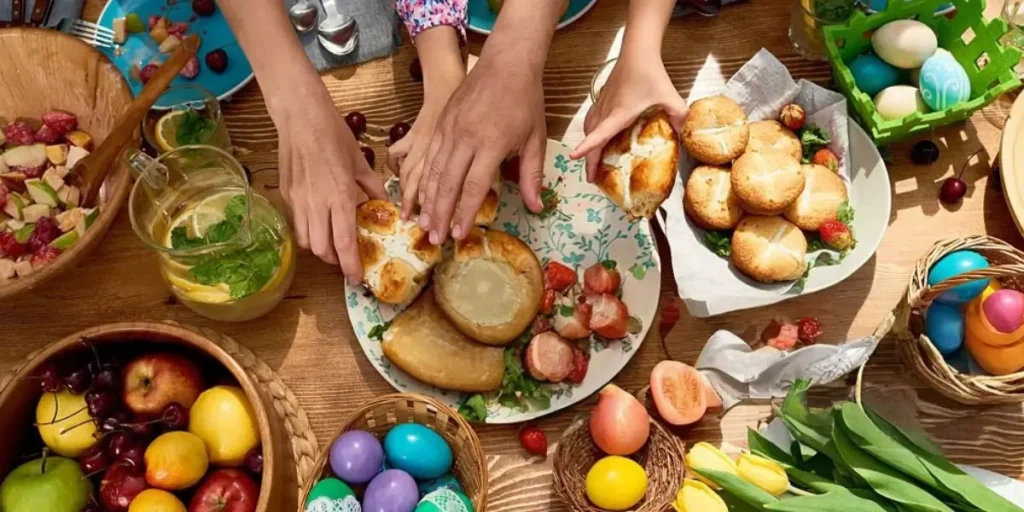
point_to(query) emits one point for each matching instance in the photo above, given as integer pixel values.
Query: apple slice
(75, 153)
(15, 205)
(70, 196)
(24, 233)
(79, 138)
(88, 217)
(35, 212)
(42, 192)
(15, 224)
(7, 269)
(23, 268)
(54, 180)
(57, 154)
(65, 241)
(28, 157)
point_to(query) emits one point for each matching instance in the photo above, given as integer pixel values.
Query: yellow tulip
(694, 496)
(764, 473)
(705, 456)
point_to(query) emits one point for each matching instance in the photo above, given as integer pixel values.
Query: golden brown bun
(769, 249)
(716, 130)
(709, 199)
(397, 257)
(490, 286)
(488, 211)
(766, 183)
(638, 166)
(423, 343)
(771, 135)
(823, 192)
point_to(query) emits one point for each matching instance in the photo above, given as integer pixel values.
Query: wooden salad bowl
(44, 70)
(19, 393)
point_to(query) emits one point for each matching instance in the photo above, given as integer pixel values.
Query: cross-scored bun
(767, 182)
(488, 211)
(709, 199)
(397, 257)
(823, 192)
(772, 136)
(769, 249)
(638, 166)
(490, 286)
(716, 130)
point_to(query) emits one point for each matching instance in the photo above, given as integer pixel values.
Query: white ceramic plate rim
(560, 26)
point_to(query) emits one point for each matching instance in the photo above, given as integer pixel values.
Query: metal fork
(100, 37)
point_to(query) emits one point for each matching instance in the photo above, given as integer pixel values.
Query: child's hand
(634, 86)
(406, 157)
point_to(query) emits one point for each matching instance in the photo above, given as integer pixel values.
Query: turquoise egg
(872, 74)
(445, 481)
(943, 82)
(445, 500)
(953, 264)
(417, 450)
(944, 325)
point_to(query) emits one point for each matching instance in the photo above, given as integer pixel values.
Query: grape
(357, 122)
(78, 381)
(106, 380)
(101, 403)
(50, 378)
(217, 60)
(175, 417)
(399, 130)
(94, 459)
(254, 460)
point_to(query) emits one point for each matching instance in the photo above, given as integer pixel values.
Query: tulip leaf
(767, 449)
(811, 429)
(862, 431)
(735, 504)
(918, 438)
(744, 491)
(829, 502)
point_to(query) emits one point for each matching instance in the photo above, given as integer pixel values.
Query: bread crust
(709, 199)
(823, 192)
(397, 256)
(638, 166)
(766, 182)
(770, 135)
(715, 131)
(769, 249)
(488, 211)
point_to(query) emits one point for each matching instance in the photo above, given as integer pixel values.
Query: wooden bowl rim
(109, 209)
(187, 337)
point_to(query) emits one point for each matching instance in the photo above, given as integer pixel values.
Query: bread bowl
(769, 249)
(638, 166)
(770, 135)
(709, 199)
(823, 192)
(489, 286)
(716, 130)
(396, 255)
(766, 182)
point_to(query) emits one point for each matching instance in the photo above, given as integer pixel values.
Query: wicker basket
(918, 352)
(661, 458)
(382, 413)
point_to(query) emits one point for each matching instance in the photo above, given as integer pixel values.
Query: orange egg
(995, 360)
(984, 332)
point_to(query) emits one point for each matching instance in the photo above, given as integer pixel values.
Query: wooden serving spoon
(93, 169)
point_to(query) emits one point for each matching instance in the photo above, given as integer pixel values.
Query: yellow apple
(176, 461)
(155, 500)
(65, 424)
(223, 418)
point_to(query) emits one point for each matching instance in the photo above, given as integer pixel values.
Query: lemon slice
(282, 269)
(166, 129)
(218, 294)
(207, 213)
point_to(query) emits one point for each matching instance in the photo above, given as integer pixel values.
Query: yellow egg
(616, 483)
(993, 286)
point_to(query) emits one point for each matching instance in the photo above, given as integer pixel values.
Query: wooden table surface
(308, 341)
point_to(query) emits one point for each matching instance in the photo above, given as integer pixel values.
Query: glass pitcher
(184, 115)
(225, 252)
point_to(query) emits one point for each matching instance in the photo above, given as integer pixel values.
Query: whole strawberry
(534, 441)
(835, 234)
(827, 158)
(809, 330)
(793, 116)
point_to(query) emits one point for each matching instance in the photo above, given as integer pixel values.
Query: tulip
(694, 496)
(705, 456)
(764, 473)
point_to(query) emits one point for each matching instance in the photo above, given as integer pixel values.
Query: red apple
(153, 381)
(120, 485)
(225, 490)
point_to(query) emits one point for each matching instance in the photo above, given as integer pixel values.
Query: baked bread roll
(397, 256)
(823, 192)
(423, 343)
(488, 211)
(716, 130)
(709, 199)
(766, 182)
(769, 249)
(490, 286)
(638, 166)
(771, 135)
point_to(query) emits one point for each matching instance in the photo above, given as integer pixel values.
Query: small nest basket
(383, 413)
(917, 351)
(661, 458)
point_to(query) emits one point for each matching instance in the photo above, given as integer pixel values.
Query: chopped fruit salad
(40, 211)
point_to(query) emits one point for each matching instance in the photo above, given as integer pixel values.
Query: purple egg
(391, 491)
(356, 456)
(1004, 309)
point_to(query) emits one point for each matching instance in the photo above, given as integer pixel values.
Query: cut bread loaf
(772, 136)
(638, 166)
(823, 192)
(716, 130)
(766, 182)
(769, 249)
(490, 286)
(397, 257)
(709, 199)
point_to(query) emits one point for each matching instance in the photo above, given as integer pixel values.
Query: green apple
(29, 157)
(65, 241)
(53, 484)
(15, 203)
(42, 192)
(22, 235)
(33, 213)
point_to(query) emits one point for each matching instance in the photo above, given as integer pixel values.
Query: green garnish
(194, 129)
(813, 138)
(609, 264)
(845, 214)
(719, 242)
(474, 408)
(223, 231)
(377, 332)
(518, 390)
(565, 310)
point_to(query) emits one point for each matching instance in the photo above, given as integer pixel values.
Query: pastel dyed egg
(904, 43)
(331, 494)
(944, 325)
(954, 264)
(995, 352)
(872, 74)
(944, 82)
(445, 500)
(356, 457)
(417, 450)
(391, 491)
(1004, 310)
(899, 101)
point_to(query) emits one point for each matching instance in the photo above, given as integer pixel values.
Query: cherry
(399, 130)
(953, 190)
(143, 430)
(105, 380)
(94, 459)
(92, 508)
(368, 155)
(924, 152)
(254, 460)
(175, 417)
(217, 60)
(135, 455)
(356, 121)
(416, 70)
(204, 7)
(101, 403)
(50, 380)
(78, 381)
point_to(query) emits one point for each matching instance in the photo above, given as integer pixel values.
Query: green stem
(800, 492)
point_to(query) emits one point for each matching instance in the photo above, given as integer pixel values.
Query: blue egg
(944, 325)
(872, 74)
(953, 264)
(943, 82)
(417, 450)
(445, 481)
(880, 5)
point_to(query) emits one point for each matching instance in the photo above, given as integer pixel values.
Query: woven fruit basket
(385, 412)
(920, 353)
(661, 458)
(989, 79)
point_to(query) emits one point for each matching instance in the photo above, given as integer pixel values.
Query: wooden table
(309, 342)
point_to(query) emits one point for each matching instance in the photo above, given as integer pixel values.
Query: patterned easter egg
(872, 74)
(445, 481)
(332, 495)
(444, 500)
(943, 82)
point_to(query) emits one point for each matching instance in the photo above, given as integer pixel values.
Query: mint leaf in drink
(194, 129)
(181, 240)
(244, 271)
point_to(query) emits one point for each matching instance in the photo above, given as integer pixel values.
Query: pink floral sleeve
(419, 15)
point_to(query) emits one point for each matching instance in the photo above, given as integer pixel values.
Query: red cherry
(204, 7)
(94, 459)
(254, 460)
(399, 130)
(953, 190)
(416, 70)
(175, 417)
(49, 377)
(357, 122)
(217, 60)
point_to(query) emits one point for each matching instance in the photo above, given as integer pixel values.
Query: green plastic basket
(845, 42)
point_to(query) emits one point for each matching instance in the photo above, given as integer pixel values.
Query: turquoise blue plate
(213, 32)
(481, 17)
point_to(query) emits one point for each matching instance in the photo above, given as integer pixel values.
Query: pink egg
(1004, 309)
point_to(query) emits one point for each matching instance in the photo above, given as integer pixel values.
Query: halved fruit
(678, 393)
(166, 129)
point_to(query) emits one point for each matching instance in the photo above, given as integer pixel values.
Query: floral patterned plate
(585, 228)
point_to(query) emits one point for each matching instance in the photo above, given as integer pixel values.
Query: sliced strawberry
(558, 277)
(580, 364)
(47, 135)
(573, 322)
(46, 231)
(549, 357)
(44, 255)
(177, 28)
(541, 324)
(602, 277)
(147, 72)
(20, 133)
(609, 317)
(191, 68)
(547, 301)
(9, 246)
(153, 20)
(60, 122)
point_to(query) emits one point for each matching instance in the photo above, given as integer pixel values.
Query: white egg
(899, 101)
(904, 43)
